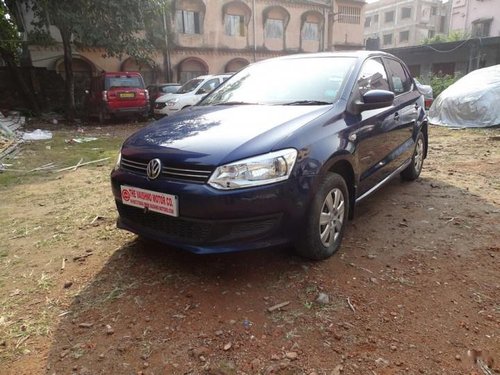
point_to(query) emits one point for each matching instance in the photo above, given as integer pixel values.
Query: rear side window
(372, 76)
(400, 80)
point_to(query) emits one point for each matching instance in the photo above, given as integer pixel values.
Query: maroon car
(114, 94)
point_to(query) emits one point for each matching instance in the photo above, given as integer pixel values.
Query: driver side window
(372, 76)
(209, 86)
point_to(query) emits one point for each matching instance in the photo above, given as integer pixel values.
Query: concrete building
(213, 37)
(401, 23)
(477, 18)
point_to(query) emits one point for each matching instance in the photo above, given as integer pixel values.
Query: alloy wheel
(331, 217)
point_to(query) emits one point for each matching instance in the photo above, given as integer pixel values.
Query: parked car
(273, 157)
(470, 102)
(188, 95)
(114, 94)
(426, 90)
(160, 89)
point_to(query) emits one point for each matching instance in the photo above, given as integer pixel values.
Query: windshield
(189, 86)
(169, 89)
(124, 81)
(295, 81)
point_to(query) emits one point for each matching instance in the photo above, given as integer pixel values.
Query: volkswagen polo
(278, 154)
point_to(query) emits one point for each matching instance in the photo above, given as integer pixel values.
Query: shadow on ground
(157, 310)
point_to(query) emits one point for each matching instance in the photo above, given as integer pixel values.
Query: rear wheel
(412, 172)
(102, 116)
(326, 221)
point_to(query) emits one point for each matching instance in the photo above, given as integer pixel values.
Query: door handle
(396, 116)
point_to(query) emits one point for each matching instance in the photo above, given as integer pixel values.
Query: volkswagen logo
(154, 169)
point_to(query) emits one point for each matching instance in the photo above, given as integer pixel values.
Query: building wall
(466, 13)
(453, 58)
(425, 19)
(200, 43)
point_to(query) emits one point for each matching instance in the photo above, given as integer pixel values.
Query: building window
(368, 21)
(310, 31)
(389, 16)
(431, 34)
(274, 28)
(405, 13)
(375, 18)
(404, 36)
(481, 28)
(234, 25)
(387, 39)
(187, 22)
(349, 14)
(433, 11)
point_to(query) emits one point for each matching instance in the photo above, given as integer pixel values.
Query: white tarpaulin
(471, 102)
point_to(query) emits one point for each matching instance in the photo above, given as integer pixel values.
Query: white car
(189, 94)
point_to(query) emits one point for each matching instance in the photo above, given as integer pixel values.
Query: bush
(439, 83)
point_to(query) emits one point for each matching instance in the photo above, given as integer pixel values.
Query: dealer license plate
(162, 203)
(127, 95)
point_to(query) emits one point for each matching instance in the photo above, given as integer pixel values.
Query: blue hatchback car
(278, 154)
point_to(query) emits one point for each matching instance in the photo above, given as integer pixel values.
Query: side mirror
(374, 99)
(202, 91)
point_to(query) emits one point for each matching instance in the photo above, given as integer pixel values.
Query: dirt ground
(415, 288)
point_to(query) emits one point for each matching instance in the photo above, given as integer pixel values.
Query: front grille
(134, 166)
(183, 174)
(172, 227)
(196, 231)
(195, 175)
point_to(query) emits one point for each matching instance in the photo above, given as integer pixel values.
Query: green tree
(117, 26)
(10, 45)
(454, 36)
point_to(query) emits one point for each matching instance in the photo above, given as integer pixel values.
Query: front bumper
(164, 110)
(213, 221)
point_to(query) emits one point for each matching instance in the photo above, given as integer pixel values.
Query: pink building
(213, 37)
(479, 18)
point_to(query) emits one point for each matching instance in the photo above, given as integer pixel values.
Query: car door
(370, 131)
(406, 115)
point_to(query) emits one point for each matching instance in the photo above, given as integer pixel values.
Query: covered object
(471, 102)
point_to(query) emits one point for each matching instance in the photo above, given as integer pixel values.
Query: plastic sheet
(471, 102)
(37, 135)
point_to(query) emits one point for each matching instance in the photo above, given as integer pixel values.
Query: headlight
(258, 170)
(172, 101)
(118, 161)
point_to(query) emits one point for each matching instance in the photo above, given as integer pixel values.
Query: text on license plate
(127, 95)
(152, 200)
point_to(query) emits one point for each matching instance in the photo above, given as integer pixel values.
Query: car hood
(165, 97)
(214, 135)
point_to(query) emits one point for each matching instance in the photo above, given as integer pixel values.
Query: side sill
(384, 181)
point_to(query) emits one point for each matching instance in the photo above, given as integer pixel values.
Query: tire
(101, 116)
(412, 172)
(326, 221)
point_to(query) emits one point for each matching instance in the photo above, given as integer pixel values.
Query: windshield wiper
(235, 103)
(307, 102)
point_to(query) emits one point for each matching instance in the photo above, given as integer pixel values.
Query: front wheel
(412, 172)
(326, 220)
